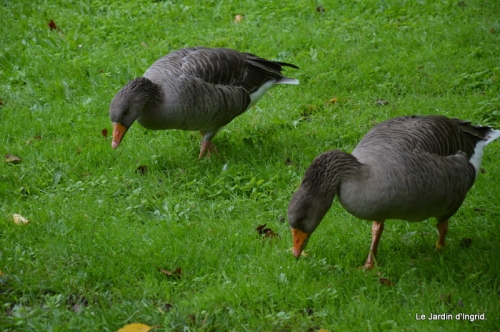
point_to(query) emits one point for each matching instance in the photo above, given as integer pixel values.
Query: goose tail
(491, 136)
(286, 80)
(476, 158)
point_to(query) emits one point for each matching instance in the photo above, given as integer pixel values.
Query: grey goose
(410, 168)
(195, 88)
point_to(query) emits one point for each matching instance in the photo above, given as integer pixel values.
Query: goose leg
(206, 145)
(442, 227)
(377, 229)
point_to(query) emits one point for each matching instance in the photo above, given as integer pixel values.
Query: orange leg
(377, 229)
(206, 145)
(442, 227)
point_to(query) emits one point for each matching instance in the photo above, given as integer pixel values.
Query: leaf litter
(175, 274)
(266, 233)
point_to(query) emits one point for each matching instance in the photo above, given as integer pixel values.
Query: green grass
(99, 230)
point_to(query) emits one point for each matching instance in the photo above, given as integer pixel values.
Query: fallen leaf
(271, 234)
(238, 18)
(177, 273)
(104, 132)
(465, 243)
(385, 281)
(382, 102)
(266, 233)
(142, 169)
(137, 327)
(11, 159)
(260, 229)
(52, 25)
(19, 219)
(334, 100)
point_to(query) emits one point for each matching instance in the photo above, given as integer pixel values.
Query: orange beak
(118, 132)
(299, 241)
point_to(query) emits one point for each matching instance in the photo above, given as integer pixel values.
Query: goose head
(305, 211)
(128, 104)
(313, 199)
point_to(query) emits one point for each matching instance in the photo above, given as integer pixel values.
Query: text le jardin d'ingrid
(447, 316)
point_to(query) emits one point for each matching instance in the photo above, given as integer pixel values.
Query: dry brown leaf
(104, 132)
(11, 159)
(385, 281)
(177, 273)
(238, 18)
(260, 229)
(142, 169)
(137, 327)
(19, 219)
(52, 25)
(266, 232)
(334, 100)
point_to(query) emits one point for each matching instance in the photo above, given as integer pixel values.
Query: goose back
(206, 88)
(414, 168)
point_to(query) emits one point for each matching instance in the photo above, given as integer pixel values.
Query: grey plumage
(408, 168)
(196, 89)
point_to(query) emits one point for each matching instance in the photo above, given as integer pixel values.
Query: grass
(100, 230)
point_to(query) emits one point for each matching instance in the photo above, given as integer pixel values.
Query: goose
(195, 88)
(409, 168)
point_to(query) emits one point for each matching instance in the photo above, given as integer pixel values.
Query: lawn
(108, 227)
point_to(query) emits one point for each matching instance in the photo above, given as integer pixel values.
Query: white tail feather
(492, 135)
(286, 80)
(477, 157)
